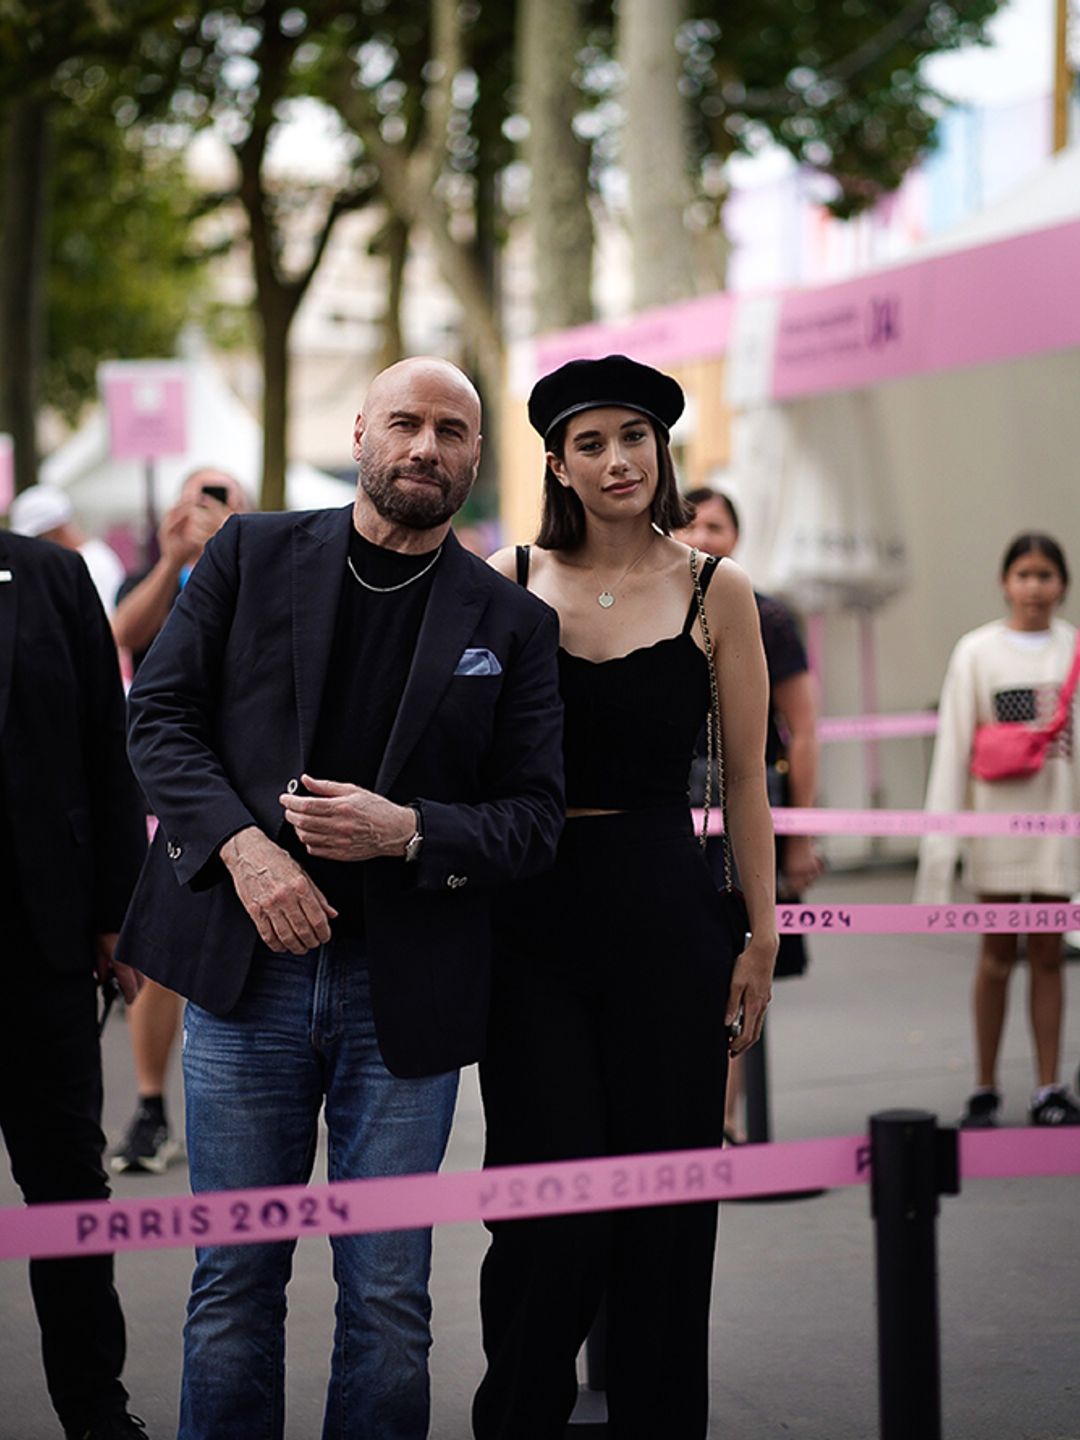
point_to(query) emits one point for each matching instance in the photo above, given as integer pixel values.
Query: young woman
(621, 968)
(1011, 670)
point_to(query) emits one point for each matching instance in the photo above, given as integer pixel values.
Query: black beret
(614, 380)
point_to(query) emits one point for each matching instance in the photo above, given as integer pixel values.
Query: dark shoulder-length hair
(562, 520)
(1035, 542)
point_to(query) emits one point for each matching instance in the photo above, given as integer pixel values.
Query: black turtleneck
(374, 641)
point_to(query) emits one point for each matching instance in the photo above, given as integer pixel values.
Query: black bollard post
(913, 1162)
(756, 1078)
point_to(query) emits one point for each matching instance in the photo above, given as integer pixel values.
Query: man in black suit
(350, 731)
(72, 838)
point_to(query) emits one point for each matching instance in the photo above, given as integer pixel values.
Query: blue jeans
(303, 1034)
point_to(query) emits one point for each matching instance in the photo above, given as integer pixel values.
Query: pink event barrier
(1001, 919)
(243, 1217)
(877, 727)
(806, 821)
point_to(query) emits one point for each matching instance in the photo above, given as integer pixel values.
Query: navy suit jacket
(76, 825)
(223, 714)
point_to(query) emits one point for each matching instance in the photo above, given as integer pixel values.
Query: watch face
(412, 849)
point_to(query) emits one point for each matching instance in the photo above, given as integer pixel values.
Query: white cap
(40, 509)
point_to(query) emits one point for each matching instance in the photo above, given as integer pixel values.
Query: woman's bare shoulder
(505, 561)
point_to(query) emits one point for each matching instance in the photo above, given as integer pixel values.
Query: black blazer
(75, 821)
(223, 714)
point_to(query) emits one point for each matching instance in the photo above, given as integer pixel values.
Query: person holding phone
(207, 499)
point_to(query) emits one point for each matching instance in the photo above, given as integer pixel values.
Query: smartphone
(216, 492)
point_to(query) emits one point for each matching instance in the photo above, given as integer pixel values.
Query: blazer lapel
(319, 551)
(454, 607)
(9, 604)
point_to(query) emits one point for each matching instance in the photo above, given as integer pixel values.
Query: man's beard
(416, 508)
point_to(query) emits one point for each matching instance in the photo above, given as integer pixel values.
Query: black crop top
(631, 723)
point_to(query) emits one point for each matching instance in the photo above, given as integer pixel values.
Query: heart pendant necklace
(606, 598)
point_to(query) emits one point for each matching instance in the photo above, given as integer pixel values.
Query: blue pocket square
(478, 662)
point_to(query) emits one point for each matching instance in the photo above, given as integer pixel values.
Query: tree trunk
(559, 216)
(22, 264)
(276, 319)
(654, 151)
(394, 247)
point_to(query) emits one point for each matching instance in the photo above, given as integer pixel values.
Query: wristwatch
(414, 845)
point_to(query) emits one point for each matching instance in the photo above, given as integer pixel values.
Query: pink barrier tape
(1030, 1152)
(878, 727)
(788, 820)
(1001, 919)
(247, 1217)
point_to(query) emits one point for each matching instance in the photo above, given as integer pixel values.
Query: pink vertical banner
(869, 697)
(7, 472)
(146, 404)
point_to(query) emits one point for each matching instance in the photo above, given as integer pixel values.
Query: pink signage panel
(147, 409)
(992, 302)
(997, 302)
(840, 337)
(668, 335)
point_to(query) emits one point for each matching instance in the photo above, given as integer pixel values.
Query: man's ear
(357, 436)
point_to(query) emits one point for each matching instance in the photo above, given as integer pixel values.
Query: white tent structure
(931, 458)
(222, 432)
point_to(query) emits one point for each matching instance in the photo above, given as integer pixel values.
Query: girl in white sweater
(1011, 669)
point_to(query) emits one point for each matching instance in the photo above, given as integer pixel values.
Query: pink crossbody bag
(1013, 749)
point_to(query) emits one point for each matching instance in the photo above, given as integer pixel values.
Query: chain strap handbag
(738, 917)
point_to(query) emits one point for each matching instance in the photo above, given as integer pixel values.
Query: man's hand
(801, 864)
(336, 821)
(129, 980)
(288, 909)
(186, 529)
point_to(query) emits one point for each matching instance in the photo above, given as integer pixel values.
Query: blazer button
(173, 850)
(292, 787)
(455, 882)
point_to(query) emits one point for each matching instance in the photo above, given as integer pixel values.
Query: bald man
(350, 731)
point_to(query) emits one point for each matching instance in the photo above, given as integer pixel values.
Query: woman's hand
(751, 991)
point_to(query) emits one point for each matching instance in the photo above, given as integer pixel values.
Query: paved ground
(880, 1022)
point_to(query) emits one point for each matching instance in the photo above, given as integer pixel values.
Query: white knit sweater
(995, 674)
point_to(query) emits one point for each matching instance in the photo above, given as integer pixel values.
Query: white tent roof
(222, 433)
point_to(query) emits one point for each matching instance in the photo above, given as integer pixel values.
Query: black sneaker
(1057, 1108)
(118, 1425)
(147, 1146)
(981, 1111)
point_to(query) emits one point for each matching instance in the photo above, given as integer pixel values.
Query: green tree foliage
(40, 43)
(123, 273)
(837, 83)
(240, 68)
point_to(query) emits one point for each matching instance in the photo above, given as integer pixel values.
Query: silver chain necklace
(606, 598)
(386, 589)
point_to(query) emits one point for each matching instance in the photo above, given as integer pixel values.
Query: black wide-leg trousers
(50, 1115)
(607, 1038)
